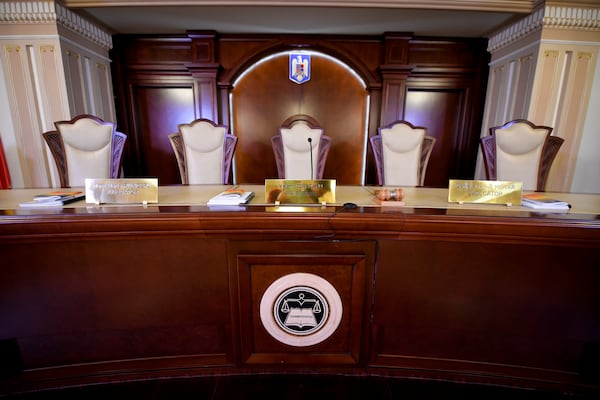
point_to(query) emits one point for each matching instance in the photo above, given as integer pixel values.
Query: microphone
(311, 158)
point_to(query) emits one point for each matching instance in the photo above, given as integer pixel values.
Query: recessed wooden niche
(332, 278)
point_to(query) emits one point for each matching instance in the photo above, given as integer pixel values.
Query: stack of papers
(54, 199)
(231, 197)
(543, 202)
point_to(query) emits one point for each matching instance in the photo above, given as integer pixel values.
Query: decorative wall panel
(349, 111)
(75, 82)
(34, 76)
(441, 111)
(302, 302)
(157, 109)
(562, 91)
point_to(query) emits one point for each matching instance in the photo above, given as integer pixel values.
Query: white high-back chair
(298, 136)
(520, 151)
(401, 152)
(204, 152)
(85, 147)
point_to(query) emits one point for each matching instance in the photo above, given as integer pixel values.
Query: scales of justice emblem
(299, 67)
(301, 309)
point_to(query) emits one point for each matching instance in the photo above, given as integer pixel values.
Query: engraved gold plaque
(296, 208)
(488, 192)
(291, 191)
(121, 191)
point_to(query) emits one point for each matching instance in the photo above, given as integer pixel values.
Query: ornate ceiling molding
(51, 12)
(572, 18)
(516, 31)
(555, 17)
(518, 6)
(28, 12)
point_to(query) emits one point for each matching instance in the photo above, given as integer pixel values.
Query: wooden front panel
(348, 267)
(157, 110)
(114, 293)
(265, 97)
(509, 309)
(76, 301)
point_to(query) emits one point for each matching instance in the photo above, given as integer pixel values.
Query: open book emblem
(300, 310)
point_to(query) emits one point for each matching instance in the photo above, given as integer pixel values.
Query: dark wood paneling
(392, 66)
(154, 52)
(116, 299)
(437, 109)
(447, 55)
(513, 307)
(491, 297)
(157, 110)
(348, 268)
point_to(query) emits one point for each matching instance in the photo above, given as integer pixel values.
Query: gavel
(390, 195)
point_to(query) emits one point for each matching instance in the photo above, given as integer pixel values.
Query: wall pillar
(394, 71)
(542, 69)
(204, 69)
(54, 65)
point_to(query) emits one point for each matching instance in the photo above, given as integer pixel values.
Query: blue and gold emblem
(299, 67)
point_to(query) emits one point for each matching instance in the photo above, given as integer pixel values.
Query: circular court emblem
(301, 309)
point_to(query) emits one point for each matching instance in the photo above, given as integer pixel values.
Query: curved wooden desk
(465, 293)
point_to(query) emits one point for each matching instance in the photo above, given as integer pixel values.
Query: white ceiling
(297, 20)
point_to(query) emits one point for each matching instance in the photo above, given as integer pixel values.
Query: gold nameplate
(121, 191)
(291, 191)
(296, 208)
(489, 192)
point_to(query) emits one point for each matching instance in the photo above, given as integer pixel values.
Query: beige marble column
(54, 65)
(543, 68)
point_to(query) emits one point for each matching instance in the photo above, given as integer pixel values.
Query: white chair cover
(296, 150)
(401, 151)
(204, 152)
(518, 152)
(87, 150)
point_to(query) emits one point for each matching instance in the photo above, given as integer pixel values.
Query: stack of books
(54, 199)
(231, 197)
(543, 202)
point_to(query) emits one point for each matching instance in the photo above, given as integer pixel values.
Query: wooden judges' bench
(464, 292)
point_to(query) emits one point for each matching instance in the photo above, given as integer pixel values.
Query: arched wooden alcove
(264, 96)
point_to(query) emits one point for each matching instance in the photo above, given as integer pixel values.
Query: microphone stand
(311, 158)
